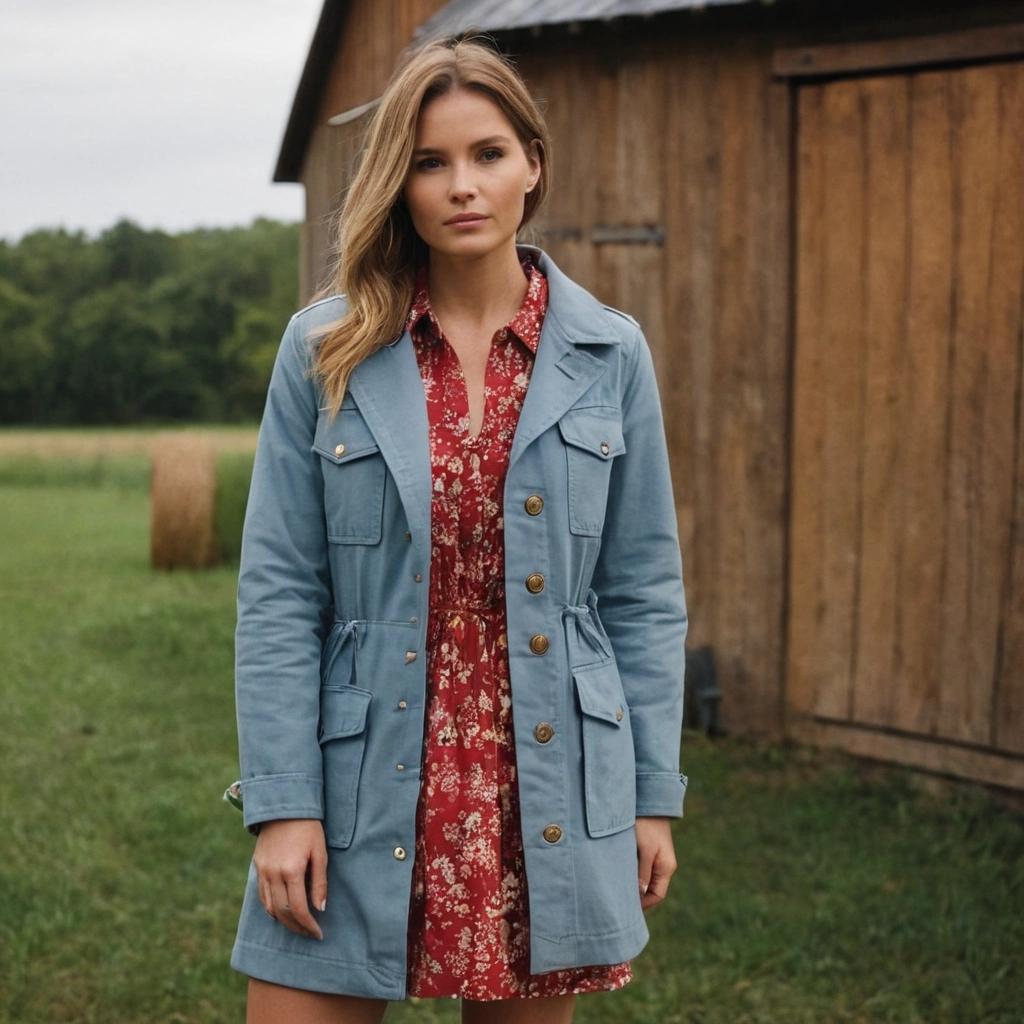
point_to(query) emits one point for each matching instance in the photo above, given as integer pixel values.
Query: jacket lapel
(388, 389)
(564, 370)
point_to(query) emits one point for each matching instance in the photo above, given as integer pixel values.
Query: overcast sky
(168, 113)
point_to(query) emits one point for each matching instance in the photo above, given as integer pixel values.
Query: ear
(535, 157)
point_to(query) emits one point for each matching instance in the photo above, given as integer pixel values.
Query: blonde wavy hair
(378, 248)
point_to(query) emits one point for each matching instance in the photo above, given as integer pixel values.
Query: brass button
(543, 732)
(399, 767)
(418, 578)
(552, 833)
(534, 503)
(535, 583)
(410, 657)
(408, 535)
(399, 853)
(539, 643)
(339, 450)
(605, 448)
(618, 714)
(402, 705)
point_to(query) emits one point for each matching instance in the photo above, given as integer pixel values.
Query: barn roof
(490, 15)
(509, 15)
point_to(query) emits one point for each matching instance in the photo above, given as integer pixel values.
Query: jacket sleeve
(283, 595)
(639, 584)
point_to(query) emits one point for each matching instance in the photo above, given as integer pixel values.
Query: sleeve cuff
(660, 795)
(274, 797)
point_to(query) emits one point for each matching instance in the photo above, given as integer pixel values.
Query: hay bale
(182, 502)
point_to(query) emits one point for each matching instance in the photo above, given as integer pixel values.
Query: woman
(461, 775)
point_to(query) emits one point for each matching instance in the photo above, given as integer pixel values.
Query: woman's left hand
(656, 859)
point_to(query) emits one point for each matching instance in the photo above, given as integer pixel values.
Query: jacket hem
(572, 951)
(315, 973)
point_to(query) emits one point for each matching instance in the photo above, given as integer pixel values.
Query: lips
(466, 218)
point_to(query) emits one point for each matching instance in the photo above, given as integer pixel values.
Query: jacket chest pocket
(342, 744)
(353, 470)
(609, 763)
(593, 438)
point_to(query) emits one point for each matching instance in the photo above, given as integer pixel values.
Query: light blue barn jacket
(332, 617)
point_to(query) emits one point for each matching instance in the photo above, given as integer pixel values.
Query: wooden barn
(816, 211)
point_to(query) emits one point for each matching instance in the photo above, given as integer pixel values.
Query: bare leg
(549, 1010)
(276, 1004)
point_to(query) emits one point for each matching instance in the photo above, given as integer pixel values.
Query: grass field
(810, 889)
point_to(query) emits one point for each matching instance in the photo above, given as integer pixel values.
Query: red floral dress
(469, 932)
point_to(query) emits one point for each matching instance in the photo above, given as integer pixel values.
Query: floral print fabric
(469, 930)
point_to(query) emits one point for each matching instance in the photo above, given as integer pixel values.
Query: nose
(462, 185)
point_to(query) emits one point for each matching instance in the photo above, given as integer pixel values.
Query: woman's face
(469, 176)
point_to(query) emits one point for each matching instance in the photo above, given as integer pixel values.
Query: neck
(490, 288)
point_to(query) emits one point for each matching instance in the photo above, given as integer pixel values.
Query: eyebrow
(491, 140)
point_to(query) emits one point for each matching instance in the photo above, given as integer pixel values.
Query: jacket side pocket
(343, 711)
(609, 763)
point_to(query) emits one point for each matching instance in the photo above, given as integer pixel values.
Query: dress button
(402, 705)
(618, 714)
(399, 853)
(534, 504)
(605, 448)
(552, 833)
(539, 643)
(543, 732)
(410, 657)
(339, 451)
(535, 583)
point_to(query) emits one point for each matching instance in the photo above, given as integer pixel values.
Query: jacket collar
(389, 391)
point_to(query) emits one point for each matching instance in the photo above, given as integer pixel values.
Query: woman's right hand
(287, 853)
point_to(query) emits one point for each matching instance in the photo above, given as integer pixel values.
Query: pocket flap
(600, 692)
(342, 712)
(596, 429)
(345, 438)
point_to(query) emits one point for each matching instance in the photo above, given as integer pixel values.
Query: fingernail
(323, 906)
(643, 889)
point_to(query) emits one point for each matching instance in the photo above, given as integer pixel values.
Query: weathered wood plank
(929, 327)
(947, 759)
(843, 385)
(969, 620)
(1003, 418)
(885, 105)
(807, 521)
(904, 52)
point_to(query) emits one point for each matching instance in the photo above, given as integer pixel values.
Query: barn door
(906, 612)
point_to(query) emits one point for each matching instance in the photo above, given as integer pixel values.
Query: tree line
(139, 326)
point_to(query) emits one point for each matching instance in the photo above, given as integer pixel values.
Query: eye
(428, 163)
(491, 154)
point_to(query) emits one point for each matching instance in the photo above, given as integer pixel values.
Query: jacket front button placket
(410, 657)
(543, 732)
(534, 503)
(399, 853)
(539, 644)
(418, 578)
(535, 583)
(552, 833)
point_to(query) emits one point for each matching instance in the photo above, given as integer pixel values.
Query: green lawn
(809, 889)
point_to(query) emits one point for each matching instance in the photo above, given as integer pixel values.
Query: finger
(298, 907)
(318, 878)
(283, 907)
(267, 896)
(645, 863)
(661, 873)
